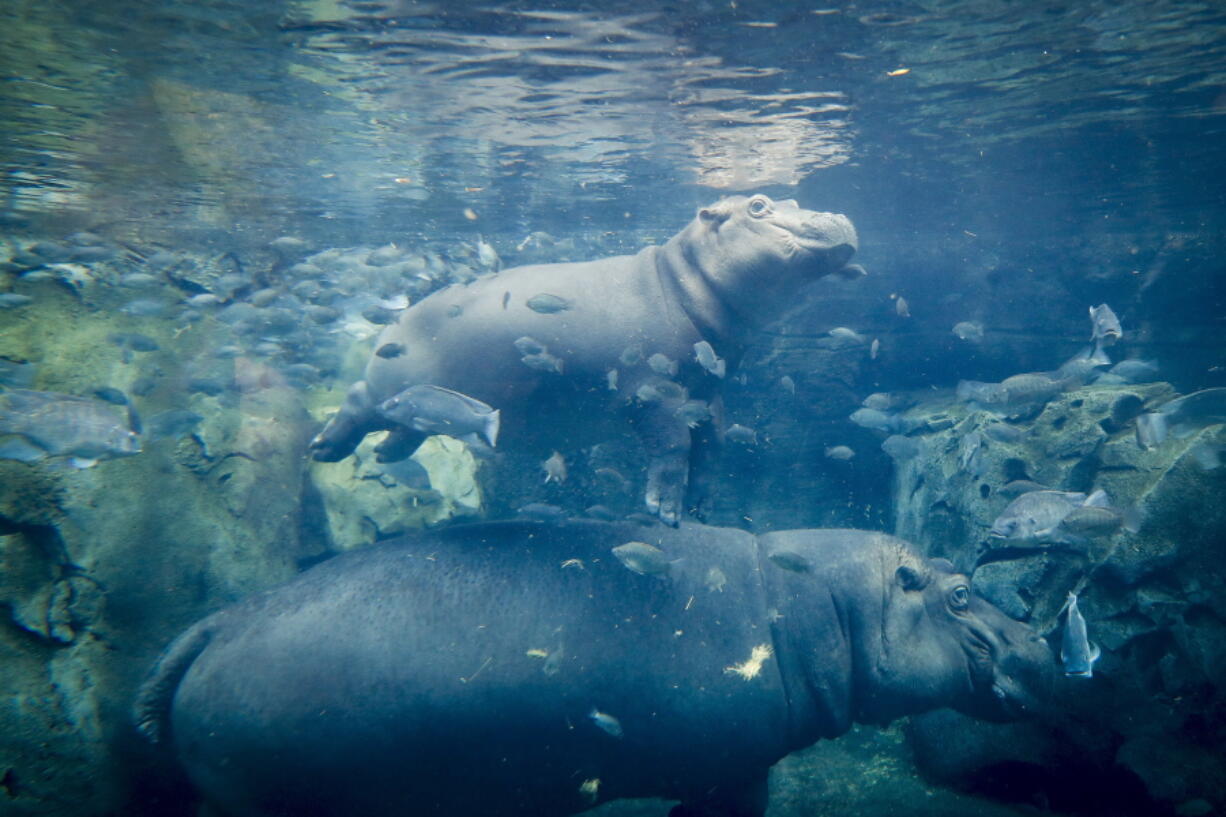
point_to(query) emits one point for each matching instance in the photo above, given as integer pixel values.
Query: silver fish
(36, 425)
(704, 353)
(1035, 516)
(738, 433)
(555, 468)
(642, 558)
(436, 410)
(968, 331)
(902, 308)
(530, 346)
(487, 256)
(543, 362)
(606, 722)
(901, 448)
(662, 365)
(693, 413)
(1182, 416)
(1107, 329)
(874, 419)
(840, 452)
(1076, 652)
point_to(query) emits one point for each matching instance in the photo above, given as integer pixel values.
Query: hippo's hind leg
(400, 443)
(357, 418)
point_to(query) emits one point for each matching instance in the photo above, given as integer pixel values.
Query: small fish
(527, 346)
(322, 314)
(547, 304)
(743, 435)
(13, 300)
(642, 558)
(555, 468)
(436, 410)
(901, 308)
(880, 401)
(203, 301)
(788, 384)
(662, 365)
(704, 353)
(874, 419)
(40, 425)
(111, 395)
(790, 560)
(693, 413)
(390, 350)
(600, 512)
(1136, 371)
(171, 424)
(543, 362)
(143, 308)
(487, 256)
(612, 479)
(715, 580)
(658, 391)
(1182, 417)
(840, 452)
(542, 511)
(379, 315)
(874, 349)
(611, 379)
(1034, 516)
(901, 448)
(590, 789)
(1107, 329)
(968, 331)
(840, 337)
(606, 722)
(631, 355)
(898, 72)
(1076, 652)
(1018, 487)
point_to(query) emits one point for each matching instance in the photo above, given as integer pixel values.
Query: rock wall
(1145, 731)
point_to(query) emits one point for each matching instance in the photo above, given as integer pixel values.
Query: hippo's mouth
(827, 238)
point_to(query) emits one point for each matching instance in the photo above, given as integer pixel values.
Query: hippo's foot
(666, 482)
(344, 431)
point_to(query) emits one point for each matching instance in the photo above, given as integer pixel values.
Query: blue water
(1005, 164)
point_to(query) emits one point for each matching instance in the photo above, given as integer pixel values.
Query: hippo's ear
(909, 578)
(943, 565)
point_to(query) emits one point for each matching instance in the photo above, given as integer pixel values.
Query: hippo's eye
(960, 597)
(759, 206)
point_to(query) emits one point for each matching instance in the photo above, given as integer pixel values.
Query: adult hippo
(562, 349)
(518, 668)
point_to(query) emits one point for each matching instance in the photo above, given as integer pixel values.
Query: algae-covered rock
(365, 501)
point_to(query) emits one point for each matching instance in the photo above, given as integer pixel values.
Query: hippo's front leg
(667, 440)
(355, 419)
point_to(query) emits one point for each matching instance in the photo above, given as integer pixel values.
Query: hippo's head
(942, 645)
(754, 253)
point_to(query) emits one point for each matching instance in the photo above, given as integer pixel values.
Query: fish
(715, 580)
(874, 419)
(901, 448)
(840, 452)
(704, 353)
(436, 410)
(487, 256)
(968, 331)
(662, 365)
(788, 384)
(1035, 516)
(970, 458)
(612, 479)
(144, 308)
(541, 511)
(543, 362)
(874, 349)
(555, 468)
(611, 379)
(1076, 652)
(631, 355)
(659, 391)
(1133, 370)
(390, 350)
(642, 558)
(13, 300)
(546, 303)
(263, 297)
(743, 435)
(601, 512)
(530, 346)
(171, 424)
(111, 395)
(203, 300)
(901, 307)
(693, 413)
(607, 723)
(1094, 521)
(37, 425)
(1107, 329)
(790, 560)
(1003, 433)
(1182, 417)
(840, 337)
(879, 401)
(1018, 487)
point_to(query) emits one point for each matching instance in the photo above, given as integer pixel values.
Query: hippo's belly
(458, 673)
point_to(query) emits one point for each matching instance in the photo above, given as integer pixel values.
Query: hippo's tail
(151, 712)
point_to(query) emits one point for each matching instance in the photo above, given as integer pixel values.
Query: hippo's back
(416, 677)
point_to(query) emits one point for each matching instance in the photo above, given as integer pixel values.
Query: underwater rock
(366, 501)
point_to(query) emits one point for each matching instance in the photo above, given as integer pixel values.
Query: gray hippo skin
(737, 266)
(459, 672)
